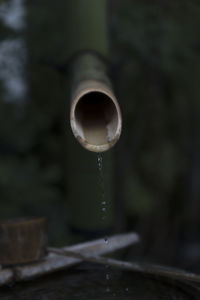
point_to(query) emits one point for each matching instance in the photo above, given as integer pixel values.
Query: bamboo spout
(95, 113)
(95, 116)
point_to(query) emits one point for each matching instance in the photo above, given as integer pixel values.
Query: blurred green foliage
(156, 49)
(158, 43)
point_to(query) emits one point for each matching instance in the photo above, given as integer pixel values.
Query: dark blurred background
(152, 176)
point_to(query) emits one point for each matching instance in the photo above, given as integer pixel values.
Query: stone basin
(88, 281)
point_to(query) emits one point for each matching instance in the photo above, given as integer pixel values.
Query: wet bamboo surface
(55, 262)
(152, 270)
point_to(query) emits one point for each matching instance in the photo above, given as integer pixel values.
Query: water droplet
(103, 209)
(103, 202)
(106, 240)
(108, 289)
(99, 159)
(126, 289)
(108, 276)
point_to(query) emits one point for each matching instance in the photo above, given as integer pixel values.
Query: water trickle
(104, 216)
(103, 208)
(102, 187)
(100, 161)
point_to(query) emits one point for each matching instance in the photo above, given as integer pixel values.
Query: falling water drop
(106, 240)
(100, 159)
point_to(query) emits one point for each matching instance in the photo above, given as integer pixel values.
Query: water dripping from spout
(102, 187)
(103, 209)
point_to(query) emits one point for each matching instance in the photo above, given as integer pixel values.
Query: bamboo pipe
(95, 114)
(53, 262)
(151, 270)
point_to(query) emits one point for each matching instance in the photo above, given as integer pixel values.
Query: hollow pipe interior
(96, 120)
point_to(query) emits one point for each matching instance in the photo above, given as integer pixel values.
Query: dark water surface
(88, 282)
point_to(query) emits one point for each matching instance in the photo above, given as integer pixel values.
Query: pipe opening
(97, 118)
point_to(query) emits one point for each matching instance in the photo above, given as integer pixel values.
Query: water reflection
(86, 282)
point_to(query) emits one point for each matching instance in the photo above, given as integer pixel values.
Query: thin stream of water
(104, 215)
(103, 208)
